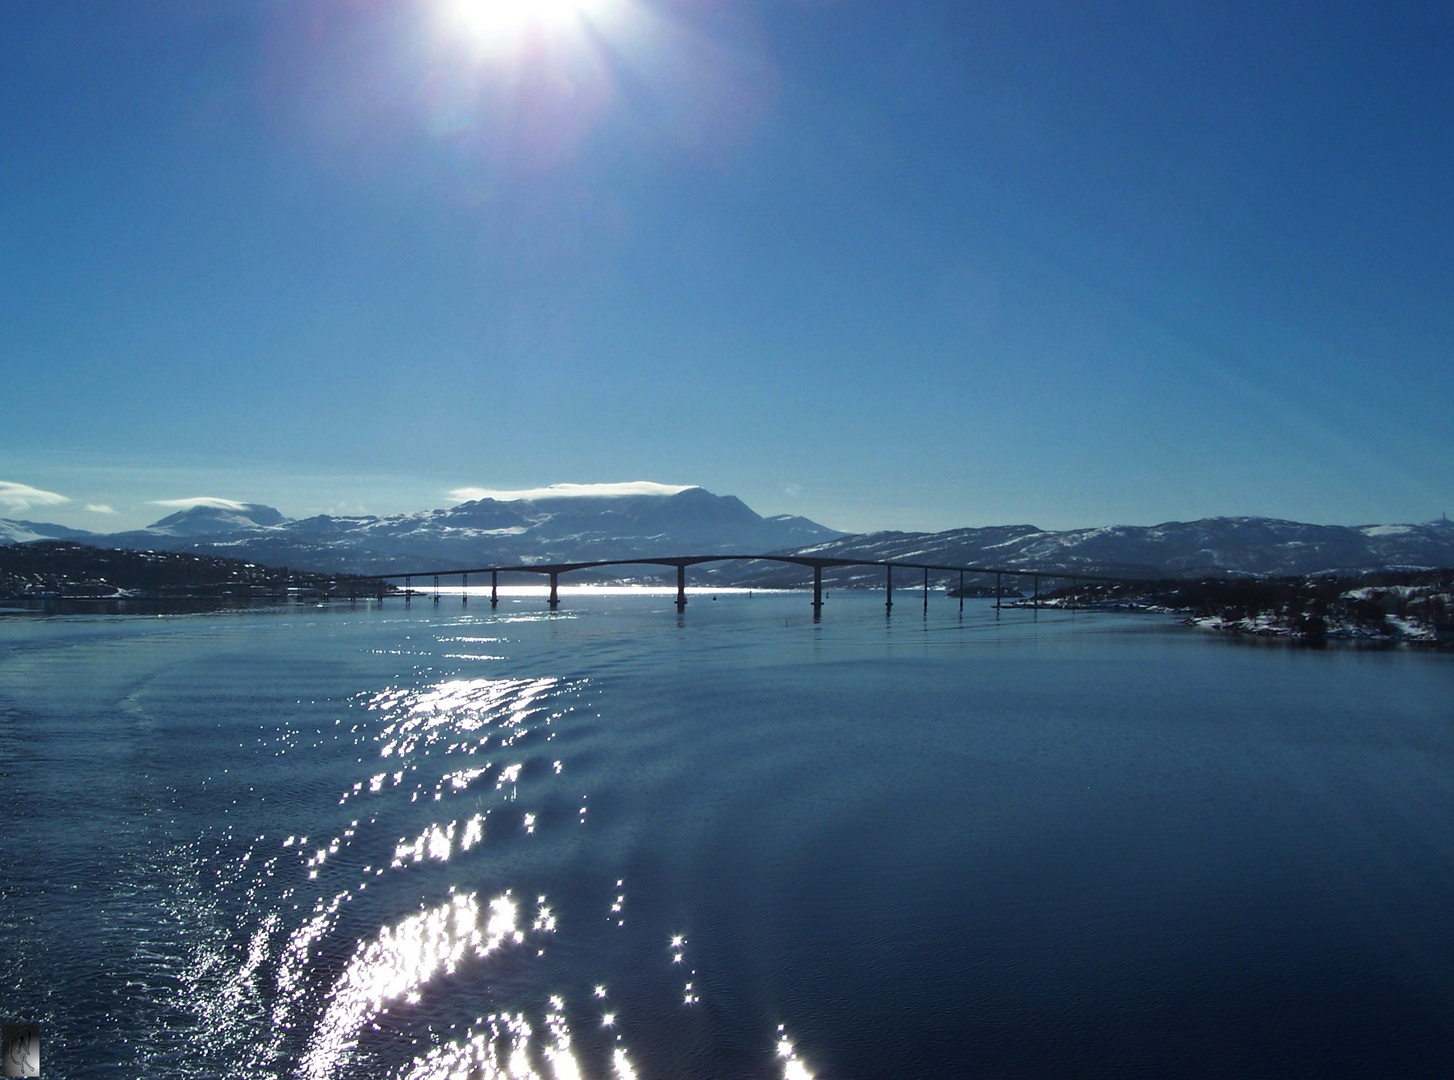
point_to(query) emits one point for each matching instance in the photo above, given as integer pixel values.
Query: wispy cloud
(200, 500)
(565, 491)
(15, 497)
(99, 508)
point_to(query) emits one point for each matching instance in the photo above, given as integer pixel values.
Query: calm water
(609, 842)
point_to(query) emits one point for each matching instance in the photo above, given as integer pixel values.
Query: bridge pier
(817, 592)
(961, 592)
(494, 587)
(464, 583)
(1035, 603)
(997, 593)
(889, 591)
(926, 590)
(681, 587)
(554, 589)
(436, 589)
(408, 592)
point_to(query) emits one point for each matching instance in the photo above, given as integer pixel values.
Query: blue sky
(887, 265)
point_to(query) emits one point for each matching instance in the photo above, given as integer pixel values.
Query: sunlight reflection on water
(447, 718)
(408, 960)
(339, 852)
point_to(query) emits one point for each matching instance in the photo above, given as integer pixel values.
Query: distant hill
(484, 531)
(578, 528)
(218, 520)
(23, 532)
(1263, 547)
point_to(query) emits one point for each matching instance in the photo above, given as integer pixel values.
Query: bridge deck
(818, 563)
(815, 561)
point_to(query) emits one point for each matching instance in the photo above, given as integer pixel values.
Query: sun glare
(503, 22)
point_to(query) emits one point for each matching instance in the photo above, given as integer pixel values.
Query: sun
(501, 23)
(529, 79)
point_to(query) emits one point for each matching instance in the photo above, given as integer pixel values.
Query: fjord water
(609, 841)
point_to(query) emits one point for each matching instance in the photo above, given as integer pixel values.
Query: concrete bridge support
(926, 590)
(961, 592)
(494, 588)
(817, 593)
(681, 587)
(464, 598)
(554, 589)
(436, 589)
(889, 591)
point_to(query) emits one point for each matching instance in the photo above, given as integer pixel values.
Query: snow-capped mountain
(217, 518)
(579, 528)
(566, 528)
(22, 532)
(1209, 547)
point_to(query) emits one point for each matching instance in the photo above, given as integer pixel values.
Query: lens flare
(502, 23)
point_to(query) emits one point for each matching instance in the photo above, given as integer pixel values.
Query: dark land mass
(60, 576)
(1379, 608)
(1384, 607)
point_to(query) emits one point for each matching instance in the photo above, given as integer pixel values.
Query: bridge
(817, 563)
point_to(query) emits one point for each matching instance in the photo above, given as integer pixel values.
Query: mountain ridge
(1220, 546)
(551, 528)
(694, 521)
